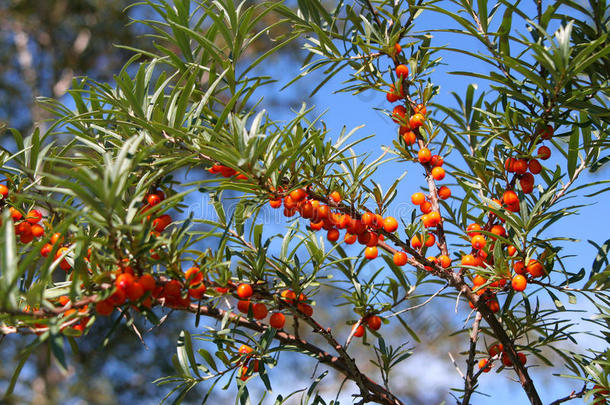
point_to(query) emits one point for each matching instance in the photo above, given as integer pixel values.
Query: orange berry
(478, 280)
(527, 183)
(438, 173)
(544, 152)
(437, 161)
(415, 242)
(359, 331)
(243, 306)
(478, 242)
(434, 218)
(483, 365)
(493, 305)
(259, 310)
(374, 322)
(444, 260)
(298, 195)
(371, 252)
(402, 71)
(46, 249)
(511, 250)
(510, 197)
(134, 291)
(147, 281)
(316, 226)
(335, 196)
(332, 235)
(245, 349)
(33, 217)
(277, 320)
(306, 309)
(275, 203)
(416, 121)
(546, 132)
(430, 240)
(244, 291)
(520, 166)
(390, 224)
(398, 114)
(496, 349)
(409, 137)
(424, 155)
(350, 238)
(159, 224)
(117, 298)
(534, 268)
(104, 308)
(444, 192)
(391, 95)
(420, 109)
(519, 267)
(400, 258)
(534, 166)
(193, 276)
(368, 218)
(519, 282)
(472, 229)
(469, 260)
(15, 214)
(37, 230)
(3, 191)
(498, 230)
(426, 207)
(418, 198)
(397, 48)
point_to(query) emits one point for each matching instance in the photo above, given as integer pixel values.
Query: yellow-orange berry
(438, 173)
(519, 282)
(402, 71)
(390, 224)
(371, 252)
(418, 198)
(424, 155)
(400, 258)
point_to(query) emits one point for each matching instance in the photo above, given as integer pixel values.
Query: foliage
(104, 178)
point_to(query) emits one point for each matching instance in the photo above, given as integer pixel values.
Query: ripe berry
(444, 261)
(426, 207)
(371, 252)
(469, 260)
(437, 161)
(391, 96)
(415, 242)
(444, 192)
(402, 71)
(409, 137)
(37, 230)
(496, 349)
(33, 217)
(275, 203)
(418, 198)
(430, 240)
(510, 197)
(483, 365)
(332, 235)
(534, 166)
(398, 113)
(390, 224)
(3, 191)
(546, 132)
(298, 195)
(277, 320)
(15, 214)
(244, 291)
(104, 308)
(400, 258)
(416, 121)
(397, 48)
(159, 224)
(511, 250)
(544, 152)
(424, 155)
(55, 238)
(243, 306)
(46, 249)
(259, 311)
(527, 183)
(478, 242)
(153, 199)
(306, 309)
(520, 166)
(519, 267)
(374, 322)
(534, 268)
(134, 291)
(359, 331)
(350, 238)
(478, 280)
(335, 196)
(438, 173)
(147, 281)
(519, 282)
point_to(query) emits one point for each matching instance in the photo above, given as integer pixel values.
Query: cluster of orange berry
(150, 200)
(226, 171)
(521, 166)
(321, 216)
(373, 322)
(248, 362)
(498, 350)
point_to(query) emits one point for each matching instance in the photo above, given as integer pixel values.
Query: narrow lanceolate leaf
(9, 273)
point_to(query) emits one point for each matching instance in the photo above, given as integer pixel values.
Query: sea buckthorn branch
(469, 380)
(370, 391)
